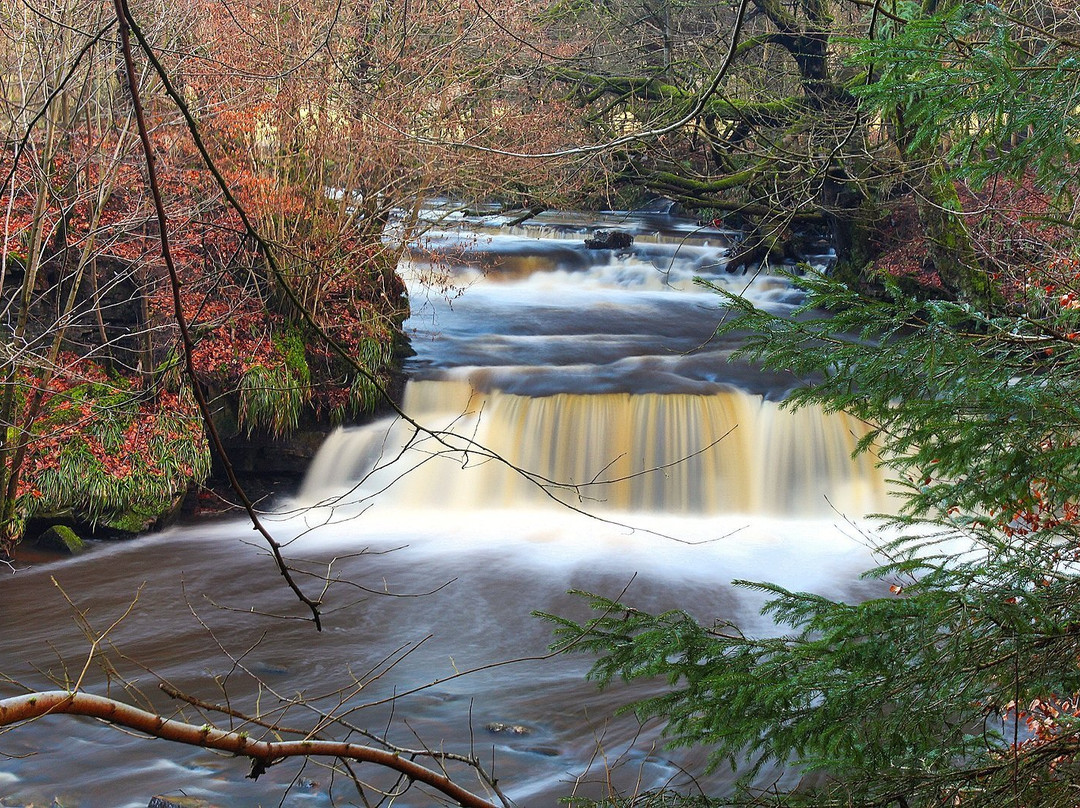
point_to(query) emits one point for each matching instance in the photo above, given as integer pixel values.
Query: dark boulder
(609, 240)
(60, 539)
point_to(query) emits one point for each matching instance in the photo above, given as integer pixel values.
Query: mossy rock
(61, 539)
(130, 523)
(162, 801)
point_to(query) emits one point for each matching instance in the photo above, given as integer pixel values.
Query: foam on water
(635, 452)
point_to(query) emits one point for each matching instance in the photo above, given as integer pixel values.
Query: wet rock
(60, 539)
(161, 801)
(499, 728)
(126, 525)
(609, 240)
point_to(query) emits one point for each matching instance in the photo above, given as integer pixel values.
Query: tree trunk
(948, 243)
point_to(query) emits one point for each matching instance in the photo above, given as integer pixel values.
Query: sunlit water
(581, 429)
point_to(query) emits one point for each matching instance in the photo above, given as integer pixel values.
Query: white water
(728, 452)
(595, 373)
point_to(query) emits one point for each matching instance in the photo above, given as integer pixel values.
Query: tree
(915, 696)
(771, 116)
(759, 122)
(258, 212)
(958, 685)
(283, 140)
(78, 336)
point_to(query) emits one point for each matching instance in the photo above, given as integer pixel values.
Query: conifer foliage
(958, 686)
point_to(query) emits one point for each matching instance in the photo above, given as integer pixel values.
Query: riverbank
(108, 451)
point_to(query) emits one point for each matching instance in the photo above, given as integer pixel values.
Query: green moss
(61, 538)
(131, 522)
(290, 345)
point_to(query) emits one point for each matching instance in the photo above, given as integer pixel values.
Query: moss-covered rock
(61, 539)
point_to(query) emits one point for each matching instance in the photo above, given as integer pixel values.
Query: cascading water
(728, 452)
(580, 427)
(596, 372)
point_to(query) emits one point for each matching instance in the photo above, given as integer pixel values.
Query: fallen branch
(263, 754)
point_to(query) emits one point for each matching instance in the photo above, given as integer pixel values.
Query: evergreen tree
(960, 687)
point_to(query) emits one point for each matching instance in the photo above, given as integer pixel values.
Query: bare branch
(123, 16)
(263, 754)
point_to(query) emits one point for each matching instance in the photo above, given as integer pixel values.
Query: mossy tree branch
(778, 112)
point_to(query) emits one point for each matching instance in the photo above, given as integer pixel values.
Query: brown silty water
(582, 429)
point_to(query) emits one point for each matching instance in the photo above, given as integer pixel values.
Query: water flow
(582, 428)
(593, 378)
(673, 453)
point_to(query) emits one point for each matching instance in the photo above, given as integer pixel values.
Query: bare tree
(255, 189)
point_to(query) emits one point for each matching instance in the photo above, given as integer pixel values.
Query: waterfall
(599, 371)
(675, 453)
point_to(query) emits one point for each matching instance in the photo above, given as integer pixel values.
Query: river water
(581, 429)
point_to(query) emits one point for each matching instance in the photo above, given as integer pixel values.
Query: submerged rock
(499, 728)
(544, 751)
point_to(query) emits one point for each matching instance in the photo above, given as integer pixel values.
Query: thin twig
(123, 16)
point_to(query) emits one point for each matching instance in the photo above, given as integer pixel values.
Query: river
(652, 465)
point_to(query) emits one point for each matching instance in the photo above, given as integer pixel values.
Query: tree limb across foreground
(262, 753)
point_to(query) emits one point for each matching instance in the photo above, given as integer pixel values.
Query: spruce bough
(957, 688)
